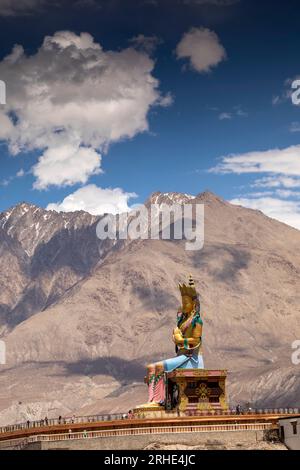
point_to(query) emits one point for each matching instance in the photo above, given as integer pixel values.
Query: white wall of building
(290, 426)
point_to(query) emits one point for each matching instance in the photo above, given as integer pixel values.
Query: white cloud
(277, 182)
(241, 113)
(235, 112)
(276, 161)
(257, 194)
(287, 193)
(71, 100)
(166, 101)
(284, 211)
(225, 116)
(65, 166)
(20, 173)
(6, 126)
(281, 169)
(203, 48)
(11, 178)
(95, 200)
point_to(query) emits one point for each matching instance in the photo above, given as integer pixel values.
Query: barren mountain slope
(13, 275)
(48, 250)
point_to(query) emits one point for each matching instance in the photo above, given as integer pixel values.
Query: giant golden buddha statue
(187, 337)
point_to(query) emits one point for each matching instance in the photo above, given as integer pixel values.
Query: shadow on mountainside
(223, 262)
(73, 248)
(120, 369)
(156, 297)
(68, 257)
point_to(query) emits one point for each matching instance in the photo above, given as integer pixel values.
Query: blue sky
(203, 104)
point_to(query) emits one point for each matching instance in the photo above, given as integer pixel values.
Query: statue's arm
(196, 336)
(193, 341)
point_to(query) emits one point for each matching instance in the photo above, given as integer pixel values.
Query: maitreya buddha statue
(187, 337)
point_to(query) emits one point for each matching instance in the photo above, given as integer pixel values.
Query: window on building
(294, 426)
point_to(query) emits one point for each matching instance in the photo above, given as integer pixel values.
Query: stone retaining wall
(211, 440)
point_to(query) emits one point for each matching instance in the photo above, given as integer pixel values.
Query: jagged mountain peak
(19, 209)
(183, 198)
(169, 198)
(23, 208)
(32, 225)
(26, 206)
(209, 197)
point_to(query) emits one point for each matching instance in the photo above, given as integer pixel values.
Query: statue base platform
(198, 389)
(150, 411)
(189, 392)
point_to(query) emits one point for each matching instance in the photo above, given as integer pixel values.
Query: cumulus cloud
(65, 166)
(70, 100)
(287, 212)
(95, 200)
(203, 49)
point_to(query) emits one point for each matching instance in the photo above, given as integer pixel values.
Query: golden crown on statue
(190, 289)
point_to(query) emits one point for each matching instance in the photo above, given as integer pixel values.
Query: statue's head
(188, 304)
(189, 296)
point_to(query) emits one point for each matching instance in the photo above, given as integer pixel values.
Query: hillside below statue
(181, 383)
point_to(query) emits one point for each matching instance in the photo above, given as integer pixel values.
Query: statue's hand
(177, 332)
(177, 336)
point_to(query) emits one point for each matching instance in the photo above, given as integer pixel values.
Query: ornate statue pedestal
(151, 411)
(198, 390)
(189, 392)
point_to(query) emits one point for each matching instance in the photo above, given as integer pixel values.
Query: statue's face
(187, 304)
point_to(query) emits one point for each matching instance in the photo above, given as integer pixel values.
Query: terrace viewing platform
(102, 430)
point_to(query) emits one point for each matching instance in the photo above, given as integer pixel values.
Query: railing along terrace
(250, 412)
(50, 422)
(21, 442)
(121, 416)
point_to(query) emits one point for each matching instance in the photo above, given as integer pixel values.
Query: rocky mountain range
(81, 318)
